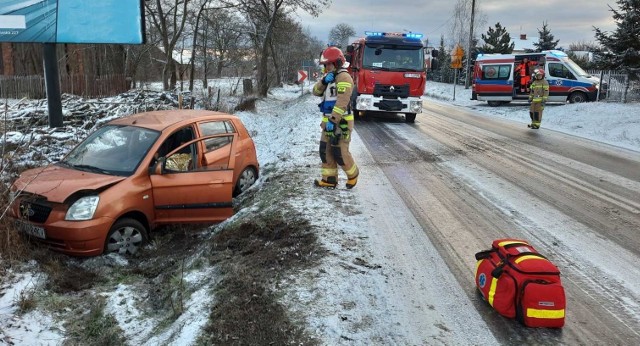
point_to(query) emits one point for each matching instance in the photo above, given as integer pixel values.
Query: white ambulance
(496, 79)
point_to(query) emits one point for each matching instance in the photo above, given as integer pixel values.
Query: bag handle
(484, 254)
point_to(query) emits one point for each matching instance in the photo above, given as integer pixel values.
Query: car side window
(183, 160)
(216, 128)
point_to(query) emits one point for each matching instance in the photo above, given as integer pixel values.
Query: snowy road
(469, 179)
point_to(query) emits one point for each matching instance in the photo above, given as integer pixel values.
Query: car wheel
(247, 178)
(410, 117)
(126, 237)
(494, 103)
(577, 97)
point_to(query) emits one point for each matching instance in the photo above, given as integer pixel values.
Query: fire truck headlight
(412, 75)
(364, 103)
(415, 106)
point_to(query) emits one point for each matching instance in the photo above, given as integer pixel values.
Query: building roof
(523, 43)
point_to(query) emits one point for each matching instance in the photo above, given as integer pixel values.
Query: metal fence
(620, 88)
(33, 87)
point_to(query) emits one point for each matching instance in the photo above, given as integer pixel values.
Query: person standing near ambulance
(538, 97)
(524, 70)
(335, 88)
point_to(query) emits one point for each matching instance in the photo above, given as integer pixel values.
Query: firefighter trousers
(535, 112)
(334, 152)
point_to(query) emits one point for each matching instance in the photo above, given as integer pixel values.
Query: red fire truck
(389, 72)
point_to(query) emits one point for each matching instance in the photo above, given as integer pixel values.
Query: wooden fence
(33, 87)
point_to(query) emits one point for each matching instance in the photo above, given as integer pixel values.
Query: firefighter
(524, 70)
(335, 88)
(538, 98)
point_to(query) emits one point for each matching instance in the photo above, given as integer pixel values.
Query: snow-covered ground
(608, 122)
(285, 128)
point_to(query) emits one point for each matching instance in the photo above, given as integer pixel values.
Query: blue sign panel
(72, 21)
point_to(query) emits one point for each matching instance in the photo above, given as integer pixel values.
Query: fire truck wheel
(577, 97)
(494, 103)
(410, 117)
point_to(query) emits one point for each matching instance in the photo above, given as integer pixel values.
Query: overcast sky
(569, 21)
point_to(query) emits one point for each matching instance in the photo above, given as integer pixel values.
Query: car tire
(410, 117)
(247, 178)
(494, 103)
(577, 97)
(125, 237)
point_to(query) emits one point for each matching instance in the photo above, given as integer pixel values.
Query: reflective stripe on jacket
(539, 91)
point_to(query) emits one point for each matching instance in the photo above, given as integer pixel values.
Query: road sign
(456, 57)
(302, 75)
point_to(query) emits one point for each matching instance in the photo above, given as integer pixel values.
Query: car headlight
(364, 103)
(415, 106)
(83, 209)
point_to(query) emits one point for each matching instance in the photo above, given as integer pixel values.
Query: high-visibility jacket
(539, 90)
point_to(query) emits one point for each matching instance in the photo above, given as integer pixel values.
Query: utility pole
(468, 76)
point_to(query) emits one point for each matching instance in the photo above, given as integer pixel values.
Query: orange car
(133, 174)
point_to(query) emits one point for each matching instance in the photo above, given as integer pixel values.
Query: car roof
(160, 120)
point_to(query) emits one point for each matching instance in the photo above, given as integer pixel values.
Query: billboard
(72, 21)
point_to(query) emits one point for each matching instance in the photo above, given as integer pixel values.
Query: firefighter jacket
(539, 91)
(336, 98)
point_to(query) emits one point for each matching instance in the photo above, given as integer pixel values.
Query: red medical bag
(520, 283)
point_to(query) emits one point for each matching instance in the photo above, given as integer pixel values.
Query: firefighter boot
(330, 182)
(351, 183)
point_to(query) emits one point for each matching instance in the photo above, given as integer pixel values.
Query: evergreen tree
(546, 41)
(497, 41)
(444, 72)
(622, 47)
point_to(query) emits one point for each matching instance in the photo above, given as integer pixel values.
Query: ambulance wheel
(577, 97)
(410, 117)
(494, 103)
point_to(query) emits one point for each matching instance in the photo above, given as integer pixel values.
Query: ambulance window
(560, 71)
(496, 72)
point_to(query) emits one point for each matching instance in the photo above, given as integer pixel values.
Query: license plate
(30, 229)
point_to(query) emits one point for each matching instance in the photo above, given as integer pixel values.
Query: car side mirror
(156, 168)
(434, 53)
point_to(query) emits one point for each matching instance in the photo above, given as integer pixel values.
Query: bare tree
(169, 18)
(339, 35)
(460, 25)
(263, 14)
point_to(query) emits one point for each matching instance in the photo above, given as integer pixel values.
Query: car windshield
(113, 150)
(393, 58)
(577, 69)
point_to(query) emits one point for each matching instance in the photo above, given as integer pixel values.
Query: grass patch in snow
(254, 254)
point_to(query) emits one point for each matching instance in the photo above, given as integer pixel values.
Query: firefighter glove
(330, 126)
(328, 78)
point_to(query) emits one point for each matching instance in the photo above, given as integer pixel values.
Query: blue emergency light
(558, 53)
(395, 34)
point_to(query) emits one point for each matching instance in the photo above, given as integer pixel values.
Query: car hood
(57, 183)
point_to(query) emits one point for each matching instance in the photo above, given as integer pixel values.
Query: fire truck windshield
(393, 58)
